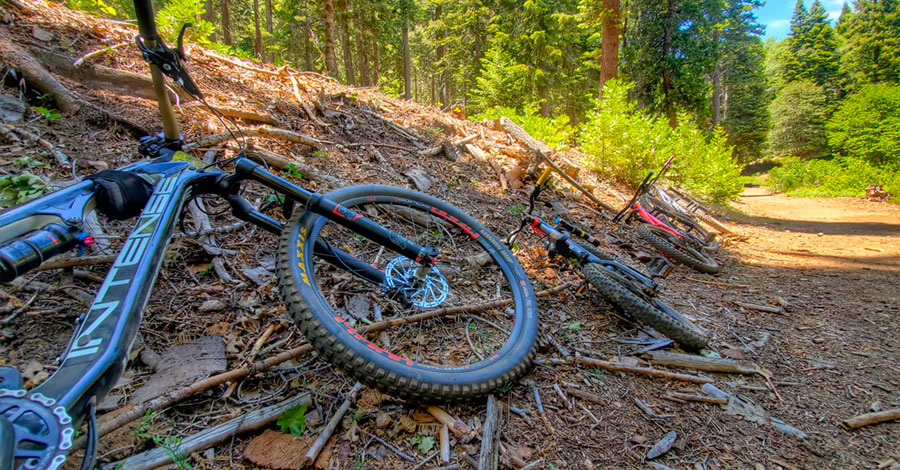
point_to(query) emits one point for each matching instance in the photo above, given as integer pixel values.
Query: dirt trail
(826, 233)
(833, 263)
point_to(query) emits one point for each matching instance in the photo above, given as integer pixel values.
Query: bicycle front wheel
(467, 329)
(653, 313)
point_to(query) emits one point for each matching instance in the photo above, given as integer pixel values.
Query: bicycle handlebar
(146, 19)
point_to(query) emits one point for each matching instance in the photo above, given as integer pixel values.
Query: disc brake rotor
(400, 273)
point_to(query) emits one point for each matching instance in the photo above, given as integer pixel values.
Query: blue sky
(776, 15)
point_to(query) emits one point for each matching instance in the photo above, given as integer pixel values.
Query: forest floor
(829, 267)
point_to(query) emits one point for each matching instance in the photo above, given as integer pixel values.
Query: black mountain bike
(675, 237)
(617, 281)
(423, 264)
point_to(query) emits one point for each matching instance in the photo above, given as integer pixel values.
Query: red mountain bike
(676, 239)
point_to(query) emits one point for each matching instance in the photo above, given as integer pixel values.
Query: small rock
(638, 439)
(98, 165)
(11, 109)
(877, 407)
(42, 34)
(382, 420)
(663, 445)
(820, 234)
(419, 178)
(211, 306)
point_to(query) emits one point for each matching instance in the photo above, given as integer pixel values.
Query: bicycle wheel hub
(400, 274)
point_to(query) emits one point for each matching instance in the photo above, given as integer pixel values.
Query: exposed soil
(830, 263)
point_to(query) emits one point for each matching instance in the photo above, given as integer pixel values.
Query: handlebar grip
(146, 19)
(545, 175)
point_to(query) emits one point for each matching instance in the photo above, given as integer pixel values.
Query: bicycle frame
(95, 357)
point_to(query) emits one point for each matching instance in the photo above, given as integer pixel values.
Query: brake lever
(170, 62)
(180, 48)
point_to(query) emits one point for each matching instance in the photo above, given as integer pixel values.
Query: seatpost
(147, 27)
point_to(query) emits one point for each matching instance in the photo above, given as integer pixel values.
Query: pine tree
(812, 53)
(670, 53)
(872, 36)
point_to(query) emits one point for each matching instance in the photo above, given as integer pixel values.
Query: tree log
(264, 131)
(281, 162)
(36, 74)
(235, 113)
(487, 457)
(691, 361)
(251, 421)
(871, 418)
(100, 77)
(430, 152)
(587, 361)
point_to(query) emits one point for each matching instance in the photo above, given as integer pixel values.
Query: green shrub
(175, 13)
(867, 125)
(623, 143)
(555, 132)
(840, 176)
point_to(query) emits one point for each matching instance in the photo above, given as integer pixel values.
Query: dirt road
(834, 263)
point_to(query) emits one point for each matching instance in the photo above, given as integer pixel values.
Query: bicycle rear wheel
(470, 328)
(678, 249)
(653, 313)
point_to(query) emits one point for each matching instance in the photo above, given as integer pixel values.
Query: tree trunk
(210, 15)
(226, 23)
(270, 56)
(609, 49)
(667, 84)
(349, 71)
(330, 61)
(257, 40)
(406, 72)
(307, 40)
(439, 58)
(363, 59)
(376, 64)
(716, 87)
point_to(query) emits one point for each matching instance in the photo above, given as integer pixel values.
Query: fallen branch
(455, 425)
(331, 426)
(295, 87)
(691, 361)
(61, 263)
(383, 325)
(720, 284)
(76, 293)
(60, 157)
(430, 152)
(588, 361)
(871, 418)
(586, 395)
(234, 112)
(270, 132)
(390, 447)
(277, 73)
(575, 184)
(281, 162)
(175, 396)
(761, 308)
(216, 435)
(98, 52)
(698, 398)
(487, 458)
(409, 134)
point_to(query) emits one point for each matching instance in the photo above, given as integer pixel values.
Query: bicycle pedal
(660, 267)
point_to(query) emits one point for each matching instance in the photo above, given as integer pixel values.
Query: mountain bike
(342, 259)
(617, 281)
(661, 229)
